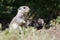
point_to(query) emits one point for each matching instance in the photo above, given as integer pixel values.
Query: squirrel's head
(24, 9)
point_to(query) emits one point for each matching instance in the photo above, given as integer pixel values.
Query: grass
(29, 33)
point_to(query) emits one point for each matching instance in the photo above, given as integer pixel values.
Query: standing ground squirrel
(19, 18)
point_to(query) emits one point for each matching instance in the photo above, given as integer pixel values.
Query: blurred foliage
(47, 9)
(0, 26)
(28, 34)
(55, 21)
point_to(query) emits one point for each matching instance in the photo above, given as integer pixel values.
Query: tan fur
(19, 18)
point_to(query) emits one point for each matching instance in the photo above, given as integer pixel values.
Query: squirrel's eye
(24, 7)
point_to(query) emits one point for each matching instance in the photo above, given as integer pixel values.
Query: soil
(55, 31)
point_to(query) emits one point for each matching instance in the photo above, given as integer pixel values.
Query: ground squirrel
(20, 17)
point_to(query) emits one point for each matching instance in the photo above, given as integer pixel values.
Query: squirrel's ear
(19, 8)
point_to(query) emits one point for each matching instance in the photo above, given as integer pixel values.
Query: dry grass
(27, 34)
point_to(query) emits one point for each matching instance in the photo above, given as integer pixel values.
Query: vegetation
(46, 9)
(49, 10)
(26, 34)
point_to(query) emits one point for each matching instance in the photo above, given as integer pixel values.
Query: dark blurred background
(45, 9)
